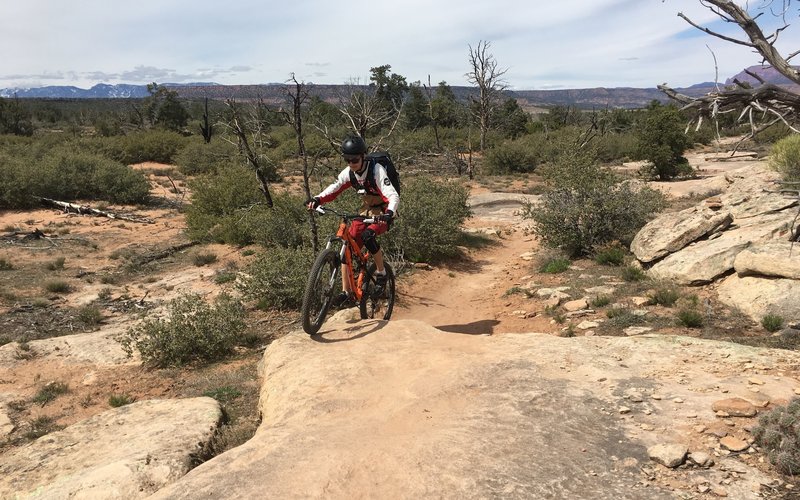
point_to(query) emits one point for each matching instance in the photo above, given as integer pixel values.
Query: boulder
(127, 452)
(752, 193)
(669, 455)
(706, 260)
(735, 407)
(671, 232)
(758, 296)
(773, 258)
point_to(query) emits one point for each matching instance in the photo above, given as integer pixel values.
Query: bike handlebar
(322, 210)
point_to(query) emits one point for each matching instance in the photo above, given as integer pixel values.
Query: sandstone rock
(398, 410)
(735, 407)
(668, 455)
(553, 292)
(585, 325)
(749, 195)
(575, 305)
(757, 297)
(733, 443)
(127, 452)
(701, 459)
(706, 260)
(773, 258)
(671, 232)
(6, 425)
(601, 290)
(637, 330)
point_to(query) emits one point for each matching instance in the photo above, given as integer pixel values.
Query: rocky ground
(641, 402)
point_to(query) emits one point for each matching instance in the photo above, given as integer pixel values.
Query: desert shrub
(117, 400)
(194, 331)
(199, 157)
(612, 254)
(40, 426)
(66, 174)
(50, 392)
(601, 301)
(277, 278)
(511, 157)
(690, 318)
(203, 258)
(770, 135)
(585, 207)
(615, 147)
(90, 315)
(778, 432)
(223, 394)
(218, 201)
(772, 322)
(5, 265)
(58, 286)
(632, 274)
(555, 265)
(664, 296)
(155, 145)
(429, 221)
(285, 224)
(661, 141)
(55, 265)
(786, 157)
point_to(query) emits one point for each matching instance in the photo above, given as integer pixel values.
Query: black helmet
(354, 145)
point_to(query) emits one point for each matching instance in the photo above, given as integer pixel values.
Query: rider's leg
(378, 258)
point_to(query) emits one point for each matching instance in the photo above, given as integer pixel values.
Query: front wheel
(378, 305)
(322, 282)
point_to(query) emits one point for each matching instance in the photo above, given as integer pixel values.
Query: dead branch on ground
(86, 209)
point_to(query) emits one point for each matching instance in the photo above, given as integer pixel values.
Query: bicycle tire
(322, 282)
(372, 305)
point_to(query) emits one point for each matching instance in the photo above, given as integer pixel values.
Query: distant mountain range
(617, 97)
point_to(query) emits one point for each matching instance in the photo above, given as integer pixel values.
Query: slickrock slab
(127, 452)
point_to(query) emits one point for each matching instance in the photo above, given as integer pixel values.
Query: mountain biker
(379, 198)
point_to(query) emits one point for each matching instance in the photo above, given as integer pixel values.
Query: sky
(542, 45)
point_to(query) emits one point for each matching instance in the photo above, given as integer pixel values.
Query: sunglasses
(352, 159)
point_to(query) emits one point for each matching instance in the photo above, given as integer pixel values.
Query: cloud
(566, 44)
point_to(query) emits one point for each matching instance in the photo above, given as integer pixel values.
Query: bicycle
(325, 277)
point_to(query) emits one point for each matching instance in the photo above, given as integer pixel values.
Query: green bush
(585, 208)
(511, 157)
(218, 204)
(772, 322)
(154, 145)
(664, 296)
(555, 266)
(66, 174)
(778, 432)
(662, 141)
(430, 219)
(277, 278)
(117, 400)
(193, 331)
(612, 254)
(199, 157)
(786, 157)
(632, 274)
(690, 318)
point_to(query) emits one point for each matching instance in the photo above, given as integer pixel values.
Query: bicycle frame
(348, 249)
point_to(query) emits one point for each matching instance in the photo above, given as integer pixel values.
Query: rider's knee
(370, 241)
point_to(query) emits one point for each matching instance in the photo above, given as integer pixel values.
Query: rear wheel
(378, 305)
(322, 283)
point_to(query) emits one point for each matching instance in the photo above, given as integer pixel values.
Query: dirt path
(470, 296)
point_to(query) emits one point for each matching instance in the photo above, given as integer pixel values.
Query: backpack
(384, 159)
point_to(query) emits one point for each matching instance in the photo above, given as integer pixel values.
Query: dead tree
(764, 105)
(485, 75)
(241, 130)
(207, 128)
(297, 94)
(364, 111)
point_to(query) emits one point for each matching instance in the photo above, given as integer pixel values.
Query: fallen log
(86, 209)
